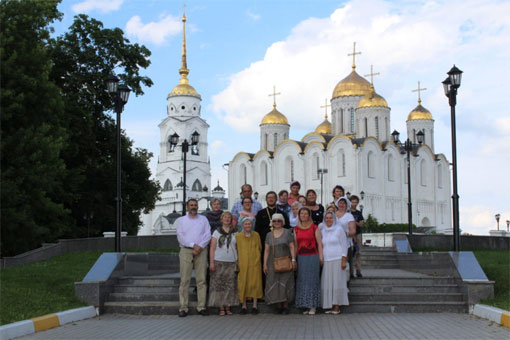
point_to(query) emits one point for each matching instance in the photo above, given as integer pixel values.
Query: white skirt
(334, 289)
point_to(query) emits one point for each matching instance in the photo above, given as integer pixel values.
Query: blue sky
(237, 51)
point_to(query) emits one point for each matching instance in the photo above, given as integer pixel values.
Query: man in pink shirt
(193, 234)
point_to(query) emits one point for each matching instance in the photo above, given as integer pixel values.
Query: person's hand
(294, 265)
(265, 269)
(212, 267)
(322, 260)
(344, 264)
(197, 249)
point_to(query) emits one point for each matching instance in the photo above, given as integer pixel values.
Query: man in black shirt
(358, 217)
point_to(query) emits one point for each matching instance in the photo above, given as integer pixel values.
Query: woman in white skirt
(334, 274)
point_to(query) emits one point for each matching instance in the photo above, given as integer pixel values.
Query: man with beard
(193, 234)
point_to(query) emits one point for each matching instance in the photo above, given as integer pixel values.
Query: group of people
(292, 250)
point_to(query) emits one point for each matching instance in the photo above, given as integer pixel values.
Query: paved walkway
(348, 326)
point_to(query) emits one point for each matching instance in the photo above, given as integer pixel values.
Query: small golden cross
(419, 89)
(354, 53)
(326, 106)
(372, 74)
(274, 94)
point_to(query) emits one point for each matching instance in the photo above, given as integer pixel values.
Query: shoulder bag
(281, 264)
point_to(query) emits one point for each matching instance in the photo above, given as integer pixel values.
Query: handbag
(281, 264)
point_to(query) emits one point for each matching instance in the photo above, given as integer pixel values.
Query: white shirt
(293, 221)
(344, 223)
(225, 254)
(334, 242)
(191, 231)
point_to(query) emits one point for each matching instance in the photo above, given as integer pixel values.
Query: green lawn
(496, 265)
(45, 287)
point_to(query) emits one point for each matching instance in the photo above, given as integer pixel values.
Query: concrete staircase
(384, 288)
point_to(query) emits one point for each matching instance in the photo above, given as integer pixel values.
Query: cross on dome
(372, 74)
(274, 94)
(353, 54)
(419, 89)
(326, 107)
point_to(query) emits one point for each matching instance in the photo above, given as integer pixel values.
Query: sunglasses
(280, 221)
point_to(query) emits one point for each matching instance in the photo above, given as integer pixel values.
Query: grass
(45, 287)
(496, 265)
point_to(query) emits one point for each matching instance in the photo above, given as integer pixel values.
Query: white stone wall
(267, 132)
(341, 114)
(425, 125)
(382, 114)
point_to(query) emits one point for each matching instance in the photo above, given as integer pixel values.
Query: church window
(366, 126)
(315, 166)
(377, 128)
(341, 163)
(386, 128)
(423, 173)
(371, 164)
(391, 176)
(285, 135)
(341, 113)
(183, 107)
(439, 176)
(265, 141)
(243, 173)
(424, 135)
(414, 135)
(289, 169)
(171, 108)
(168, 186)
(275, 140)
(352, 120)
(194, 108)
(197, 186)
(263, 173)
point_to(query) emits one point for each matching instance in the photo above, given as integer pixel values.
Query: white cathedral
(358, 151)
(183, 118)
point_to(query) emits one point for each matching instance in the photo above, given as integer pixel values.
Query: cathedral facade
(183, 111)
(359, 153)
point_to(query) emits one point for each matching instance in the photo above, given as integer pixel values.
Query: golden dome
(324, 127)
(352, 85)
(420, 113)
(372, 100)
(184, 89)
(274, 117)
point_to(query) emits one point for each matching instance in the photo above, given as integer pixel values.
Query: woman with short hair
(294, 214)
(317, 210)
(246, 203)
(334, 291)
(309, 262)
(214, 216)
(223, 266)
(279, 285)
(338, 191)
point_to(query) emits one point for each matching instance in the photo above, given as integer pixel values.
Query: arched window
(352, 120)
(377, 128)
(341, 114)
(265, 141)
(423, 173)
(365, 122)
(263, 173)
(197, 186)
(439, 176)
(414, 135)
(341, 163)
(242, 171)
(289, 169)
(168, 186)
(275, 140)
(315, 166)
(391, 176)
(424, 136)
(386, 128)
(371, 164)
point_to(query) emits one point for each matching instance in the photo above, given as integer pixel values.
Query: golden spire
(372, 74)
(419, 91)
(183, 71)
(326, 107)
(354, 53)
(274, 94)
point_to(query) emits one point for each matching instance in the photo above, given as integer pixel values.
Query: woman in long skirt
(309, 261)
(334, 274)
(223, 265)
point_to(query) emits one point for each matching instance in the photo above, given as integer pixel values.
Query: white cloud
(217, 146)
(479, 219)
(155, 32)
(253, 16)
(103, 6)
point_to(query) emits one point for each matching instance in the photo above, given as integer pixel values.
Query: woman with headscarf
(345, 220)
(223, 265)
(309, 261)
(214, 216)
(294, 214)
(246, 202)
(249, 278)
(334, 275)
(279, 285)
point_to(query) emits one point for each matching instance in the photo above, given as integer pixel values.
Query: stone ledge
(497, 315)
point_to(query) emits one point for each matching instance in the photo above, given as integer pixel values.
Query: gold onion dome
(352, 85)
(420, 113)
(184, 89)
(325, 126)
(372, 100)
(274, 117)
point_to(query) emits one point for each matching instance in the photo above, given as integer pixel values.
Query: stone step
(148, 280)
(172, 307)
(377, 249)
(406, 297)
(379, 262)
(380, 266)
(148, 296)
(379, 257)
(148, 289)
(377, 281)
(403, 289)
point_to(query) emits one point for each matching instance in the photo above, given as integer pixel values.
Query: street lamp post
(407, 147)
(321, 172)
(507, 226)
(451, 85)
(174, 139)
(498, 216)
(120, 96)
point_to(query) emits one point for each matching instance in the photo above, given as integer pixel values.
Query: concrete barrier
(494, 314)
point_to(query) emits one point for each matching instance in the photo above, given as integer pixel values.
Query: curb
(497, 315)
(26, 327)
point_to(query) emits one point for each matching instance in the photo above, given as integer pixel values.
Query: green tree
(83, 59)
(33, 135)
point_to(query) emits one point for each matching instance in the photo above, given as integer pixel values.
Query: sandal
(222, 312)
(228, 312)
(243, 311)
